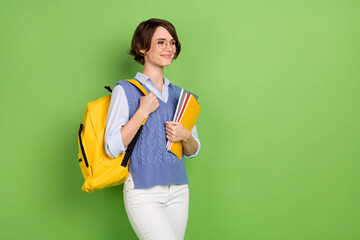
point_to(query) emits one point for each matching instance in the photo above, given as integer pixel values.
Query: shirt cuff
(197, 151)
(115, 145)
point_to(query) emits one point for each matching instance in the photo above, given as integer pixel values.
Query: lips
(166, 55)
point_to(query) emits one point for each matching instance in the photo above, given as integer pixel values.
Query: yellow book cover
(187, 117)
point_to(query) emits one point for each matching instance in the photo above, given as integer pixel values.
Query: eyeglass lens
(163, 44)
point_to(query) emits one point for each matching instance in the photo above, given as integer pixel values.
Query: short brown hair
(143, 35)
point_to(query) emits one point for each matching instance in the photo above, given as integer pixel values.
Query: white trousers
(157, 213)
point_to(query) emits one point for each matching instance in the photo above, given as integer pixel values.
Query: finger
(171, 128)
(171, 123)
(169, 131)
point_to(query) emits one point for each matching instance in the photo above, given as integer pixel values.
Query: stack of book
(187, 112)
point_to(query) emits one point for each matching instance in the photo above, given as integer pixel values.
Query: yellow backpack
(99, 170)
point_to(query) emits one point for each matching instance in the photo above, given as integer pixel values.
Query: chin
(169, 62)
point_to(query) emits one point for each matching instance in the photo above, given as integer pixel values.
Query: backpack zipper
(81, 146)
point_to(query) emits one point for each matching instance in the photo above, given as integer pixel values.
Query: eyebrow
(164, 39)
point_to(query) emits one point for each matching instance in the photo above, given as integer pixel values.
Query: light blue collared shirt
(118, 115)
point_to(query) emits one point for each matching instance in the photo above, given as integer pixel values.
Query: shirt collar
(142, 78)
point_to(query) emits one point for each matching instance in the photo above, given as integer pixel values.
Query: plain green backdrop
(279, 86)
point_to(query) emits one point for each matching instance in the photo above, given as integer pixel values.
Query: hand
(148, 103)
(176, 132)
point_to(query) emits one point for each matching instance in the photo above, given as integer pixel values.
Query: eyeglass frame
(167, 43)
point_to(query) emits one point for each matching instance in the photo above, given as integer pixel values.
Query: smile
(166, 56)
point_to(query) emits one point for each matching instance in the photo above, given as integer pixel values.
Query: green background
(279, 86)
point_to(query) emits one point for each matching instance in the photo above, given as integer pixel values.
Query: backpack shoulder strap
(141, 88)
(138, 85)
(133, 141)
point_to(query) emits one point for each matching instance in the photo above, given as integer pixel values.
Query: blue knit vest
(150, 163)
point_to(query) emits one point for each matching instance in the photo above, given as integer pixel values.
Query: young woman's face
(157, 56)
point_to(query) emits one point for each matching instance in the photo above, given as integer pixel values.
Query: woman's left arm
(176, 132)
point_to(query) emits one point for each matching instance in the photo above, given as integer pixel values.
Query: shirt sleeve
(195, 135)
(118, 116)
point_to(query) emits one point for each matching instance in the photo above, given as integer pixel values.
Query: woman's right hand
(148, 103)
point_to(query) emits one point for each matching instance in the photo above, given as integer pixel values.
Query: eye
(173, 42)
(160, 42)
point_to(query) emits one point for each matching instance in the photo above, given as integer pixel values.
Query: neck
(156, 74)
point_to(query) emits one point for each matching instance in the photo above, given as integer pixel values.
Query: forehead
(162, 33)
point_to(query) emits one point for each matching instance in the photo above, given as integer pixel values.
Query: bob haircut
(143, 35)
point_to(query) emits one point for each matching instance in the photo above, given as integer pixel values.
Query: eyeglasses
(163, 44)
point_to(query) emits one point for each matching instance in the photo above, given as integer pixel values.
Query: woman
(156, 194)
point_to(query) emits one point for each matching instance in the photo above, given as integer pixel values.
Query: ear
(142, 51)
